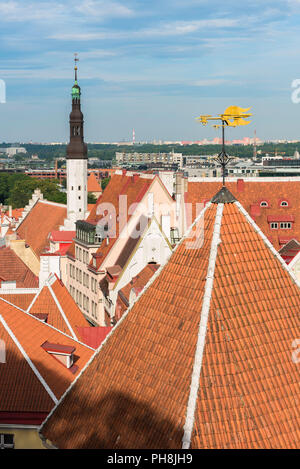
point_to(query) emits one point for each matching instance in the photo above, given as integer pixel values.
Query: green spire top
(76, 88)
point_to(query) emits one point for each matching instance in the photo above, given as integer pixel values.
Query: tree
(22, 191)
(92, 199)
(104, 183)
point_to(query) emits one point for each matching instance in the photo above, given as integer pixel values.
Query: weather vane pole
(76, 59)
(233, 116)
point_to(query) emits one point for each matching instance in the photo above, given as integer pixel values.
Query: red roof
(62, 236)
(204, 358)
(137, 283)
(22, 300)
(31, 380)
(280, 217)
(93, 336)
(42, 219)
(63, 313)
(93, 184)
(12, 268)
(253, 192)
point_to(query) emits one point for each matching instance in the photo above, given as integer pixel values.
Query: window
(7, 441)
(274, 226)
(284, 203)
(264, 204)
(285, 225)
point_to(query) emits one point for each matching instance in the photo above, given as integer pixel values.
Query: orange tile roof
(138, 283)
(12, 268)
(43, 218)
(31, 380)
(224, 313)
(251, 194)
(62, 236)
(93, 184)
(63, 313)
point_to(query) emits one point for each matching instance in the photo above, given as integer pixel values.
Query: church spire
(76, 149)
(76, 161)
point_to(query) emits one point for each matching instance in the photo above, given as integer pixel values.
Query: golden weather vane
(232, 117)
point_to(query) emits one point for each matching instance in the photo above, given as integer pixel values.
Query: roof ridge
(45, 323)
(195, 381)
(30, 363)
(60, 309)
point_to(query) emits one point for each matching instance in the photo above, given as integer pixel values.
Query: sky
(151, 65)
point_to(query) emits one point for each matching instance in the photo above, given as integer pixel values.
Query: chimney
(123, 172)
(240, 185)
(254, 211)
(10, 211)
(135, 177)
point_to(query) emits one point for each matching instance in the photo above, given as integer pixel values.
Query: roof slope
(31, 380)
(22, 300)
(204, 357)
(12, 268)
(43, 218)
(63, 313)
(93, 184)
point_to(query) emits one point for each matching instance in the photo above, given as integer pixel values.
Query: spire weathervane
(233, 116)
(76, 59)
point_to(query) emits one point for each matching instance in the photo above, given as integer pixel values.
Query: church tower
(76, 162)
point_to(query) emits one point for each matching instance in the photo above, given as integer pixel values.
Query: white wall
(76, 192)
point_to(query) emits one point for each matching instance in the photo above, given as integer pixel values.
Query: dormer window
(285, 226)
(274, 226)
(264, 203)
(284, 203)
(63, 353)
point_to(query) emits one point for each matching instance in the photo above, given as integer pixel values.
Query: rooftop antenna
(254, 147)
(133, 137)
(233, 116)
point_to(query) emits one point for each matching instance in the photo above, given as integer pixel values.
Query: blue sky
(150, 65)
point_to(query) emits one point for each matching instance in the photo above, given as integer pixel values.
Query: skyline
(150, 66)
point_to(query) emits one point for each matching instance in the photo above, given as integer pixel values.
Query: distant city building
(135, 158)
(12, 151)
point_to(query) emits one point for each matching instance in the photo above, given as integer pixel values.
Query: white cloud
(209, 82)
(176, 28)
(101, 8)
(68, 11)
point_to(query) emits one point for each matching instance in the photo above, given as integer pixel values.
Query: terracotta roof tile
(67, 316)
(253, 193)
(43, 218)
(22, 300)
(93, 336)
(21, 390)
(93, 184)
(140, 378)
(12, 268)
